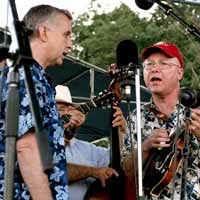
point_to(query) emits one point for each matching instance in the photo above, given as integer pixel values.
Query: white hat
(63, 94)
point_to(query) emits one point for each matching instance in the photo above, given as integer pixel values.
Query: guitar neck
(178, 133)
(86, 107)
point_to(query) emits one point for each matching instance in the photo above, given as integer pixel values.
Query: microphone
(144, 4)
(189, 98)
(127, 60)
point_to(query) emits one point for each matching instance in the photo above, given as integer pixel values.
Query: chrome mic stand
(135, 70)
(139, 132)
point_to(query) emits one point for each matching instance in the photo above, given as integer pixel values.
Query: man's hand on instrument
(158, 139)
(119, 120)
(103, 173)
(195, 122)
(112, 68)
(77, 118)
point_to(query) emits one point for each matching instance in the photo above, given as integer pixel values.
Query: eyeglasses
(163, 64)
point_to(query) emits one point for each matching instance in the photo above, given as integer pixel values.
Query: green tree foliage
(99, 39)
(97, 35)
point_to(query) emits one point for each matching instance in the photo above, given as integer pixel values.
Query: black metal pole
(25, 59)
(22, 58)
(11, 132)
(189, 27)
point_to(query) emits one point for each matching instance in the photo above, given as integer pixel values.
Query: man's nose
(156, 67)
(69, 44)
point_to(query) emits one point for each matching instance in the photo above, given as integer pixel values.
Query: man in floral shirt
(162, 121)
(30, 182)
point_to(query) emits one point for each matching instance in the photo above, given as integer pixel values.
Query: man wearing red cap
(161, 118)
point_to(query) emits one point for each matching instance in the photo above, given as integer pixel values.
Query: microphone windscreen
(187, 97)
(144, 4)
(126, 52)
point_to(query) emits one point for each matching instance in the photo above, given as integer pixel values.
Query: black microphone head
(144, 4)
(126, 53)
(188, 97)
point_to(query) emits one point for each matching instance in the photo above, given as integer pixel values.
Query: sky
(77, 7)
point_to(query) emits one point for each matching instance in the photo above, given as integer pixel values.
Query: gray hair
(40, 14)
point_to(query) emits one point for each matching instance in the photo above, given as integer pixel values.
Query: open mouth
(155, 79)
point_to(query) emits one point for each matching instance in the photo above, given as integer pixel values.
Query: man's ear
(42, 33)
(180, 73)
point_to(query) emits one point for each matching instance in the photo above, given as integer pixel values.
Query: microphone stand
(23, 57)
(135, 70)
(139, 132)
(169, 12)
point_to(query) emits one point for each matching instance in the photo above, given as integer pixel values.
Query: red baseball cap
(169, 49)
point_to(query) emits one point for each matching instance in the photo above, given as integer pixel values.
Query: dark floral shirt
(51, 121)
(151, 119)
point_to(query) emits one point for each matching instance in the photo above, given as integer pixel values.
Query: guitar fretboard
(86, 107)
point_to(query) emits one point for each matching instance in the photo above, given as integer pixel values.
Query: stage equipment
(127, 59)
(22, 57)
(147, 4)
(190, 98)
(5, 41)
(128, 72)
(187, 1)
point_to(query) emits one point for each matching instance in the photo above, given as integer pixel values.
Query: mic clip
(124, 72)
(125, 76)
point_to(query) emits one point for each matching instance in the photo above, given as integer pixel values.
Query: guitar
(103, 99)
(160, 166)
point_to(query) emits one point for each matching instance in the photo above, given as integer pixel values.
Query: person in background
(85, 161)
(162, 116)
(45, 23)
(2, 63)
